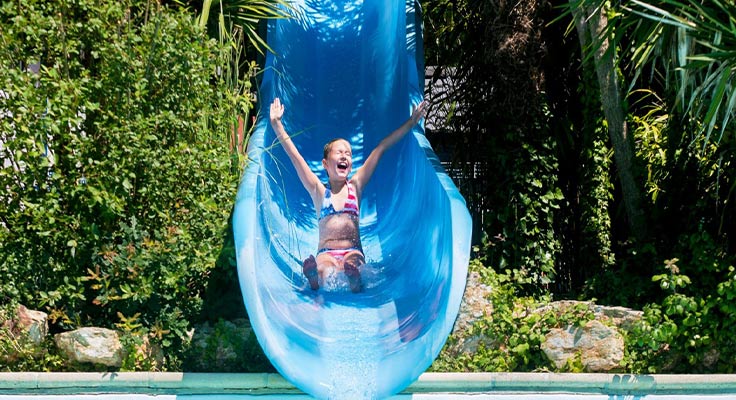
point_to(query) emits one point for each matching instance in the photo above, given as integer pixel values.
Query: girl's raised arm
(306, 176)
(363, 175)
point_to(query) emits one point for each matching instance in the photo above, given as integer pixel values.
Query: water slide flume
(350, 69)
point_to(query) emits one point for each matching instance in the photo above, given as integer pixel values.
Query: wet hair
(328, 147)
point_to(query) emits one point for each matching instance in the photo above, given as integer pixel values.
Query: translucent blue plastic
(350, 69)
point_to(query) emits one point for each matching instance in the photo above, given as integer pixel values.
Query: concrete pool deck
(177, 383)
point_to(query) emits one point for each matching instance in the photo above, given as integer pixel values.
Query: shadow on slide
(352, 69)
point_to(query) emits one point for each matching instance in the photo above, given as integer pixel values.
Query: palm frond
(246, 15)
(695, 39)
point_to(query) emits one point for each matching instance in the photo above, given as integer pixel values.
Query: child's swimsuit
(339, 254)
(350, 207)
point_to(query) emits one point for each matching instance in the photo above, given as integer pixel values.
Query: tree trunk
(591, 23)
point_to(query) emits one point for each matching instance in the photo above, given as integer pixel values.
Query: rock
(23, 332)
(621, 317)
(600, 348)
(475, 306)
(91, 345)
(599, 343)
(32, 323)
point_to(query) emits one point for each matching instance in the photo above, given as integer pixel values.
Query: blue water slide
(351, 69)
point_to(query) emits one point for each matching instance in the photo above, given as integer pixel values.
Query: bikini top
(350, 207)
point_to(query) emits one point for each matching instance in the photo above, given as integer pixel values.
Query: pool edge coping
(270, 383)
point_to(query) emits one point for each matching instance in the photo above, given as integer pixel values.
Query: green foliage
(624, 284)
(586, 159)
(18, 352)
(225, 347)
(534, 166)
(117, 166)
(510, 337)
(244, 17)
(650, 136)
(685, 183)
(678, 105)
(594, 215)
(690, 44)
(526, 245)
(22, 354)
(690, 330)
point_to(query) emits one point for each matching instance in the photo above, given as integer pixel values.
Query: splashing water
(371, 275)
(351, 356)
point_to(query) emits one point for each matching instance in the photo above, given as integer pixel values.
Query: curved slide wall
(350, 69)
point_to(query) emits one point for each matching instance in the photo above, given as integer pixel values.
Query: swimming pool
(461, 386)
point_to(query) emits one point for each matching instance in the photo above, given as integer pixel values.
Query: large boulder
(599, 343)
(91, 345)
(600, 347)
(620, 317)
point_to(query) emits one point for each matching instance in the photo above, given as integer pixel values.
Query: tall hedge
(117, 175)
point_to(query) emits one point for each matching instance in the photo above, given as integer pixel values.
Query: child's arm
(363, 175)
(306, 176)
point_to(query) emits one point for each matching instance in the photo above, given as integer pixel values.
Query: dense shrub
(510, 337)
(693, 329)
(118, 180)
